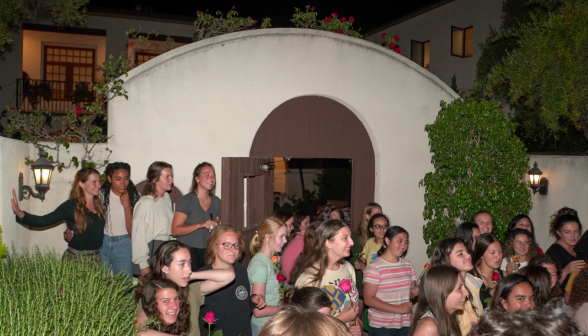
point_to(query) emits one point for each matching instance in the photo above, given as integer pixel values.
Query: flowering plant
(324, 213)
(280, 276)
(516, 259)
(391, 42)
(332, 23)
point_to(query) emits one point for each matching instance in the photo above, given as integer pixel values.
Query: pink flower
(396, 38)
(397, 49)
(340, 31)
(61, 289)
(391, 45)
(345, 286)
(343, 19)
(78, 110)
(209, 317)
(13, 108)
(327, 20)
(383, 35)
(351, 19)
(313, 8)
(335, 15)
(280, 277)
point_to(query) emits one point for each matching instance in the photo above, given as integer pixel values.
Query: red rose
(343, 19)
(351, 19)
(313, 8)
(397, 49)
(391, 45)
(340, 31)
(396, 38)
(327, 20)
(78, 110)
(495, 276)
(13, 108)
(335, 15)
(383, 35)
(280, 277)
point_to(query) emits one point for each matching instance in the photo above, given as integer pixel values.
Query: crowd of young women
(340, 282)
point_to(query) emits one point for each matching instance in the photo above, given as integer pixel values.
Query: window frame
(463, 55)
(137, 53)
(423, 53)
(64, 91)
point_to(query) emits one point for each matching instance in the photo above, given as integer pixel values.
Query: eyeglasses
(520, 242)
(228, 246)
(381, 227)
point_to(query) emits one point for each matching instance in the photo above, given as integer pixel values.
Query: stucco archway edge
(205, 100)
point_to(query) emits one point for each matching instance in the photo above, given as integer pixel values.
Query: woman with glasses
(519, 248)
(233, 304)
(377, 227)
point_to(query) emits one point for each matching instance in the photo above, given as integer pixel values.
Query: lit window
(462, 41)
(420, 53)
(141, 58)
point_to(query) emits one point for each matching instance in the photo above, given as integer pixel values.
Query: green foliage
(3, 249)
(308, 19)
(45, 295)
(208, 25)
(479, 164)
(333, 184)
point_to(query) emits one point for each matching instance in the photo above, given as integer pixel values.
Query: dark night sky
(368, 14)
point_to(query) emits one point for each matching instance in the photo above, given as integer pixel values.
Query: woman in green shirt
(82, 213)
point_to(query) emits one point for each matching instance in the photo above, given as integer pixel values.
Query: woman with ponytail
(269, 240)
(82, 213)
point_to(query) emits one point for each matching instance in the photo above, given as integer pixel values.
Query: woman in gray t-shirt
(197, 213)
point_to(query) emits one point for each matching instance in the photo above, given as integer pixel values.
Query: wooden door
(247, 195)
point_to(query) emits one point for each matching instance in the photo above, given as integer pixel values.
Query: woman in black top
(566, 229)
(82, 213)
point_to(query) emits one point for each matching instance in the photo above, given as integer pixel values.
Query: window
(462, 41)
(66, 65)
(420, 53)
(141, 58)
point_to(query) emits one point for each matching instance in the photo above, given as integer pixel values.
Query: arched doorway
(319, 127)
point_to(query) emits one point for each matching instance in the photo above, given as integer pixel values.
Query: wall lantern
(42, 170)
(538, 183)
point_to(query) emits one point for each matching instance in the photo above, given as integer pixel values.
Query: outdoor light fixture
(538, 183)
(42, 170)
(268, 166)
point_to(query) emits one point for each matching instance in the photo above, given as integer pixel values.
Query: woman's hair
(149, 303)
(482, 244)
(465, 232)
(480, 213)
(269, 226)
(363, 231)
(580, 289)
(317, 252)
(509, 242)
(442, 252)
(163, 256)
(339, 211)
(392, 232)
(436, 285)
(134, 195)
(513, 225)
(213, 243)
(153, 175)
(504, 288)
(532, 322)
(311, 298)
(282, 215)
(560, 221)
(196, 173)
(541, 281)
(371, 223)
(298, 218)
(78, 195)
(294, 321)
(541, 259)
(561, 212)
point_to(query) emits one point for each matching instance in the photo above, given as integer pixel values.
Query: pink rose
(78, 110)
(335, 15)
(327, 20)
(351, 19)
(280, 277)
(340, 31)
(383, 35)
(343, 19)
(345, 286)
(209, 317)
(396, 38)
(397, 49)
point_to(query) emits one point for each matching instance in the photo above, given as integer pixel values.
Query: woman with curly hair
(579, 301)
(519, 248)
(566, 229)
(161, 299)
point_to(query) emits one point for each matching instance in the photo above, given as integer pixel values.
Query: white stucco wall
(567, 177)
(435, 26)
(206, 100)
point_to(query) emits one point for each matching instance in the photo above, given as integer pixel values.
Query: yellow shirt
(370, 250)
(570, 284)
(467, 316)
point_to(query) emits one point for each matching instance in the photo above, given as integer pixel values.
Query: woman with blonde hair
(152, 216)
(295, 321)
(232, 305)
(262, 271)
(82, 213)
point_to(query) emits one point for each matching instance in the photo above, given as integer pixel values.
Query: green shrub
(43, 295)
(479, 163)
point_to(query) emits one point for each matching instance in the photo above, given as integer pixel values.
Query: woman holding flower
(519, 248)
(323, 265)
(389, 284)
(487, 259)
(263, 271)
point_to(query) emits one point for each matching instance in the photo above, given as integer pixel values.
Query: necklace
(486, 282)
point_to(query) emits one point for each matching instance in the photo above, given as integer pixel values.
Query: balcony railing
(57, 96)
